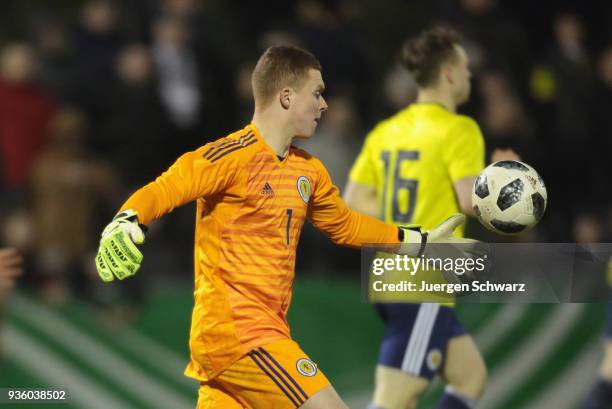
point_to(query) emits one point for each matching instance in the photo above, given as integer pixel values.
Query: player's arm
(330, 214)
(360, 192)
(463, 187)
(463, 191)
(500, 154)
(464, 156)
(361, 198)
(190, 177)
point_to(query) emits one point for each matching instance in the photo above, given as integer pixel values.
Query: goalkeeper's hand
(439, 242)
(118, 255)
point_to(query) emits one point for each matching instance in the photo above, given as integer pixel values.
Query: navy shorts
(416, 336)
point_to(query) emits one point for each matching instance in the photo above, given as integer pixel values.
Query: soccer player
(11, 263)
(419, 167)
(600, 394)
(11, 267)
(254, 191)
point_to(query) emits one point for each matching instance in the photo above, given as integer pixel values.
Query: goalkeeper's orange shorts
(278, 375)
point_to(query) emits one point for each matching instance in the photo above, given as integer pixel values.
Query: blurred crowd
(98, 97)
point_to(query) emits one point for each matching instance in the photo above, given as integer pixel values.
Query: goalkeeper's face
(461, 76)
(308, 105)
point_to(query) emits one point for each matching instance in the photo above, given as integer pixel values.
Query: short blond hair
(279, 67)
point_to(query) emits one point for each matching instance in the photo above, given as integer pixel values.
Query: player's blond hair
(279, 67)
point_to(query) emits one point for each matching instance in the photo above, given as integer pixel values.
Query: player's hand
(439, 241)
(118, 255)
(504, 154)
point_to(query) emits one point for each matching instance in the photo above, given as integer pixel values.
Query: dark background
(99, 97)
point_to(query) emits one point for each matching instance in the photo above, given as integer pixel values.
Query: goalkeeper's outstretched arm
(190, 177)
(330, 214)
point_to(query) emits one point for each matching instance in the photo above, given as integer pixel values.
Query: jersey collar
(268, 148)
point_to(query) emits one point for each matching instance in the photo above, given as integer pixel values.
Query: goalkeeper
(254, 192)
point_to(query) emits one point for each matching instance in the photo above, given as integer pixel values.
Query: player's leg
(213, 396)
(464, 372)
(324, 399)
(600, 395)
(397, 389)
(278, 375)
(411, 353)
(606, 365)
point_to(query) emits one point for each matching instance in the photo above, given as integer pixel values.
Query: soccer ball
(509, 197)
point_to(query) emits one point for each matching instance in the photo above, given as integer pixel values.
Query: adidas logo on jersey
(267, 190)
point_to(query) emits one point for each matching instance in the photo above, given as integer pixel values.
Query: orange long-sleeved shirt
(250, 210)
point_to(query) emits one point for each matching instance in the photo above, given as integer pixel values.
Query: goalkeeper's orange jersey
(250, 210)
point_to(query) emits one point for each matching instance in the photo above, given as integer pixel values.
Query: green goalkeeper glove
(118, 255)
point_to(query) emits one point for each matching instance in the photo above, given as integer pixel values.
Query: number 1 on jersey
(289, 214)
(399, 183)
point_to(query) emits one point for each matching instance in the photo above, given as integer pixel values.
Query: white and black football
(509, 197)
